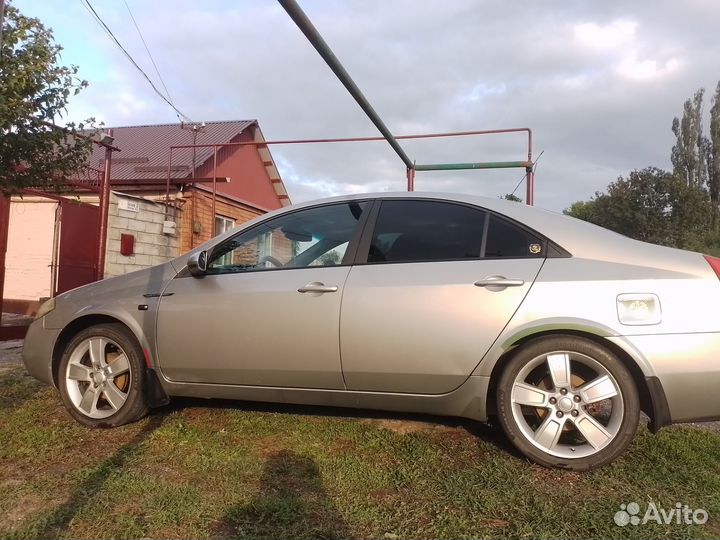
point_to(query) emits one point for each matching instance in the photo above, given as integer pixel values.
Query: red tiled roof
(144, 150)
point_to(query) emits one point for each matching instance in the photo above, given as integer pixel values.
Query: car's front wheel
(567, 402)
(101, 377)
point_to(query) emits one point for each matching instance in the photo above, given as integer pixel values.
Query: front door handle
(499, 281)
(317, 287)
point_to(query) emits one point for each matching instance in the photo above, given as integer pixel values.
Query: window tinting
(313, 237)
(426, 231)
(504, 239)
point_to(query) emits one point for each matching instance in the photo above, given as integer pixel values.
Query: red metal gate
(77, 246)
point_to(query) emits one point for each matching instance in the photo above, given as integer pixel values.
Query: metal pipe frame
(527, 165)
(316, 40)
(480, 165)
(371, 139)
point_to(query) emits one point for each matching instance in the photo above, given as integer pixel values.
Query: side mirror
(197, 264)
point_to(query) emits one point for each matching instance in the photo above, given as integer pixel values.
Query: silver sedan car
(434, 303)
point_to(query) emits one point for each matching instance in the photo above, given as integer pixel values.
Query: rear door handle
(317, 287)
(499, 281)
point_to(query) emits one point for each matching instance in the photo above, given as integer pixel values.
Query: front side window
(313, 237)
(222, 225)
(414, 231)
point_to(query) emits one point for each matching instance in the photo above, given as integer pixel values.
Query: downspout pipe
(306, 27)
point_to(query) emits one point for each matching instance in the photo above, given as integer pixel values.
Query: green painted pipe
(482, 165)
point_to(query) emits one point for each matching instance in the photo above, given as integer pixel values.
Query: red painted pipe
(4, 226)
(104, 211)
(530, 194)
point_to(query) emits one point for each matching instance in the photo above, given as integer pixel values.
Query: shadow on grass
(291, 502)
(56, 523)
(491, 434)
(16, 388)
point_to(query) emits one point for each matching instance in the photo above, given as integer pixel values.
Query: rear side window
(507, 240)
(408, 231)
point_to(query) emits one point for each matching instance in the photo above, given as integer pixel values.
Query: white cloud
(643, 70)
(484, 90)
(615, 35)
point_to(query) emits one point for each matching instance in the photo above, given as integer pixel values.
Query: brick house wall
(145, 225)
(194, 234)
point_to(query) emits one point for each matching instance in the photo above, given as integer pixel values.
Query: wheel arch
(652, 397)
(76, 326)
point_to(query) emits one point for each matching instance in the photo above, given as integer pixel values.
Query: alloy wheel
(98, 377)
(567, 404)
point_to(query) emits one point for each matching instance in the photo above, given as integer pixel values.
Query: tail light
(714, 262)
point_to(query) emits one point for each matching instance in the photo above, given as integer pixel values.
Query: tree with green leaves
(687, 155)
(651, 205)
(35, 149)
(711, 146)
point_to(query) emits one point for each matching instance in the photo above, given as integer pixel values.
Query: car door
(440, 282)
(267, 310)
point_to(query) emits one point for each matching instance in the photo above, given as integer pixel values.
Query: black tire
(627, 427)
(135, 406)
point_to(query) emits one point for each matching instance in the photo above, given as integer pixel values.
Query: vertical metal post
(167, 185)
(530, 192)
(411, 179)
(104, 210)
(4, 226)
(214, 232)
(193, 205)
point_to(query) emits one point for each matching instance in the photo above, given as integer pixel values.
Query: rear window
(408, 231)
(507, 240)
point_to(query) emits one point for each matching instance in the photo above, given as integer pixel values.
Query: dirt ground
(10, 353)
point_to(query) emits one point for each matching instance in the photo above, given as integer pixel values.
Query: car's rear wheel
(101, 377)
(567, 402)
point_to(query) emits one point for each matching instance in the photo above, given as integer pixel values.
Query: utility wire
(147, 49)
(526, 173)
(109, 32)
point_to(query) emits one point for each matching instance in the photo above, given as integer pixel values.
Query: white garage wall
(30, 249)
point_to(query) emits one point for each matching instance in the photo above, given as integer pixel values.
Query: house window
(222, 225)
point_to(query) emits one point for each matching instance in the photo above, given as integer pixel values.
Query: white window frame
(227, 224)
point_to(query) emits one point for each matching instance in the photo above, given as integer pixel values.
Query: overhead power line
(147, 49)
(115, 40)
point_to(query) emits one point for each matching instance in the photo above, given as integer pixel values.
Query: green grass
(207, 470)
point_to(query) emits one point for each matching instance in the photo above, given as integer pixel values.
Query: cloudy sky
(597, 81)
